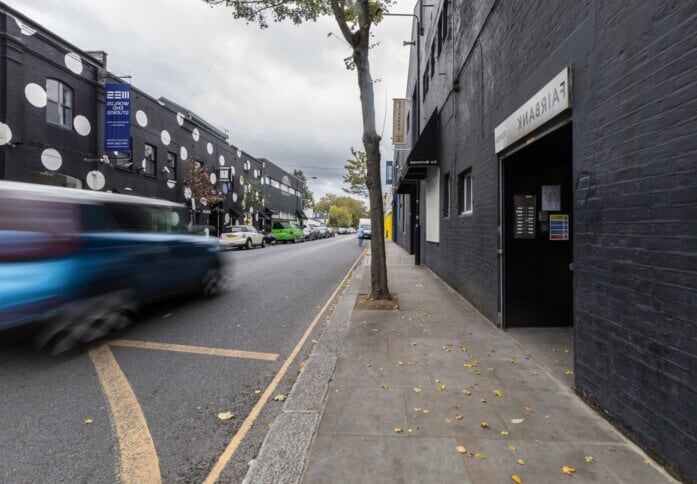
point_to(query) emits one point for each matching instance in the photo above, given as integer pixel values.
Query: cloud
(283, 93)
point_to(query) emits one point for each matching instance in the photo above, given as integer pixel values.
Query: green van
(286, 231)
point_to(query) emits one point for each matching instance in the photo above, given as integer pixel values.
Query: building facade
(549, 177)
(52, 101)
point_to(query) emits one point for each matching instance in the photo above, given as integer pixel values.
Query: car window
(252, 230)
(281, 225)
(233, 229)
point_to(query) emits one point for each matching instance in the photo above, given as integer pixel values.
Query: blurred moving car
(75, 264)
(241, 236)
(286, 231)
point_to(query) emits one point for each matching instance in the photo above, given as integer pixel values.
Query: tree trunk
(371, 142)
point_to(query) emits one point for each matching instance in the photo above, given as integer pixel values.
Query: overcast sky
(282, 93)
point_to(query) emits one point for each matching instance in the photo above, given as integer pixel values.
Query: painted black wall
(635, 198)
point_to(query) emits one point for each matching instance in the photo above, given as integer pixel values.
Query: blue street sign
(117, 117)
(388, 172)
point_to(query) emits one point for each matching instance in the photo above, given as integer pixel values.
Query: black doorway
(538, 280)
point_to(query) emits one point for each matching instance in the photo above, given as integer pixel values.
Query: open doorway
(537, 216)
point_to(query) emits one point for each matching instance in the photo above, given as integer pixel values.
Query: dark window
(464, 204)
(444, 17)
(446, 195)
(433, 58)
(425, 84)
(150, 160)
(171, 166)
(59, 104)
(440, 33)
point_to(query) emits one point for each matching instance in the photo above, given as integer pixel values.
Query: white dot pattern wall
(35, 94)
(141, 118)
(51, 159)
(73, 62)
(82, 125)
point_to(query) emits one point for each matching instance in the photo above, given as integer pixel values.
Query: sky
(282, 93)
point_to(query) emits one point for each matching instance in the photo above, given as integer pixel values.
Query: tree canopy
(307, 196)
(340, 217)
(356, 173)
(355, 207)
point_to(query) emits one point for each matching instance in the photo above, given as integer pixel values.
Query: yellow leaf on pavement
(460, 449)
(589, 458)
(416, 390)
(504, 432)
(528, 409)
(520, 461)
(458, 417)
(516, 478)
(441, 388)
(511, 448)
(398, 430)
(279, 397)
(257, 392)
(466, 392)
(485, 425)
(479, 455)
(226, 415)
(88, 421)
(569, 372)
(384, 386)
(646, 461)
(568, 470)
(497, 393)
(425, 410)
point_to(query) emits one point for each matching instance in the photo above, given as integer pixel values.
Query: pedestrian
(360, 236)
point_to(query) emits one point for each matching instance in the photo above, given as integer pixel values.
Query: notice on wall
(551, 198)
(399, 126)
(117, 117)
(559, 227)
(524, 212)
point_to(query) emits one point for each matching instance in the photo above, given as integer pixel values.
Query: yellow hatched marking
(198, 350)
(139, 462)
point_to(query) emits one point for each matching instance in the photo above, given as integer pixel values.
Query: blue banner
(388, 172)
(117, 117)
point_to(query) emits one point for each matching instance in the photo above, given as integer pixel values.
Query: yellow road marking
(199, 350)
(249, 421)
(139, 462)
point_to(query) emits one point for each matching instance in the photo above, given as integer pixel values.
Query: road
(158, 404)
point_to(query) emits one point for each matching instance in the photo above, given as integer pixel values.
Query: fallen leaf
(483, 400)
(463, 349)
(521, 461)
(534, 373)
(589, 458)
(567, 350)
(398, 430)
(484, 425)
(384, 386)
(458, 417)
(416, 390)
(399, 363)
(226, 415)
(437, 380)
(516, 478)
(497, 393)
(88, 421)
(460, 449)
(410, 430)
(512, 448)
(512, 361)
(257, 392)
(569, 372)
(517, 420)
(375, 330)
(279, 397)
(528, 409)
(646, 461)
(425, 410)
(610, 448)
(441, 388)
(568, 470)
(413, 344)
(466, 392)
(448, 420)
(479, 455)
(504, 432)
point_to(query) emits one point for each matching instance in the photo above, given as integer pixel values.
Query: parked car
(241, 236)
(365, 223)
(269, 238)
(75, 264)
(323, 232)
(309, 234)
(343, 230)
(351, 230)
(286, 231)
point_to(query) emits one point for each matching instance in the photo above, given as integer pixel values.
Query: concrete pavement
(434, 392)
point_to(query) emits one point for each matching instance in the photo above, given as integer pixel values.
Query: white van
(364, 223)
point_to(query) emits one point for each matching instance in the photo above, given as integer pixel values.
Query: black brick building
(52, 131)
(551, 161)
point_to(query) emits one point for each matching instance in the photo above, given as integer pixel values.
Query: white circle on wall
(51, 159)
(5, 134)
(180, 119)
(73, 62)
(227, 218)
(209, 148)
(251, 209)
(171, 183)
(35, 94)
(141, 118)
(195, 134)
(24, 28)
(221, 160)
(239, 154)
(175, 219)
(234, 197)
(187, 193)
(82, 125)
(213, 178)
(241, 180)
(232, 170)
(183, 154)
(95, 180)
(165, 137)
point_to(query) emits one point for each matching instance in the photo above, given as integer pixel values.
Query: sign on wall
(388, 172)
(399, 127)
(117, 117)
(559, 227)
(547, 103)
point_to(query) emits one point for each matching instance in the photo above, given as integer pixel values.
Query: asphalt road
(271, 297)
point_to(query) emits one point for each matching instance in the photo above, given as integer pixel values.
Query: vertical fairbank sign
(399, 127)
(547, 103)
(117, 117)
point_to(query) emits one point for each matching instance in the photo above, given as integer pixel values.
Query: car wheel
(212, 283)
(263, 243)
(248, 245)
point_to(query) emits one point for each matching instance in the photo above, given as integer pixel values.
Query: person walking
(360, 236)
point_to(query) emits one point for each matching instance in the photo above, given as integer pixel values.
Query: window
(171, 166)
(275, 183)
(433, 205)
(433, 58)
(149, 160)
(444, 16)
(284, 188)
(464, 203)
(425, 84)
(55, 179)
(446, 195)
(59, 105)
(440, 34)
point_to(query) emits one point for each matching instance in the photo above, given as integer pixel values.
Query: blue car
(76, 264)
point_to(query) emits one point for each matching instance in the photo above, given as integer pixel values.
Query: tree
(354, 19)
(324, 203)
(356, 173)
(355, 207)
(203, 190)
(307, 196)
(339, 216)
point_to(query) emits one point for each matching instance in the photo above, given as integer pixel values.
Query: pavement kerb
(562, 386)
(284, 450)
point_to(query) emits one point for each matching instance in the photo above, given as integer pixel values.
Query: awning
(406, 187)
(425, 151)
(235, 212)
(301, 215)
(267, 213)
